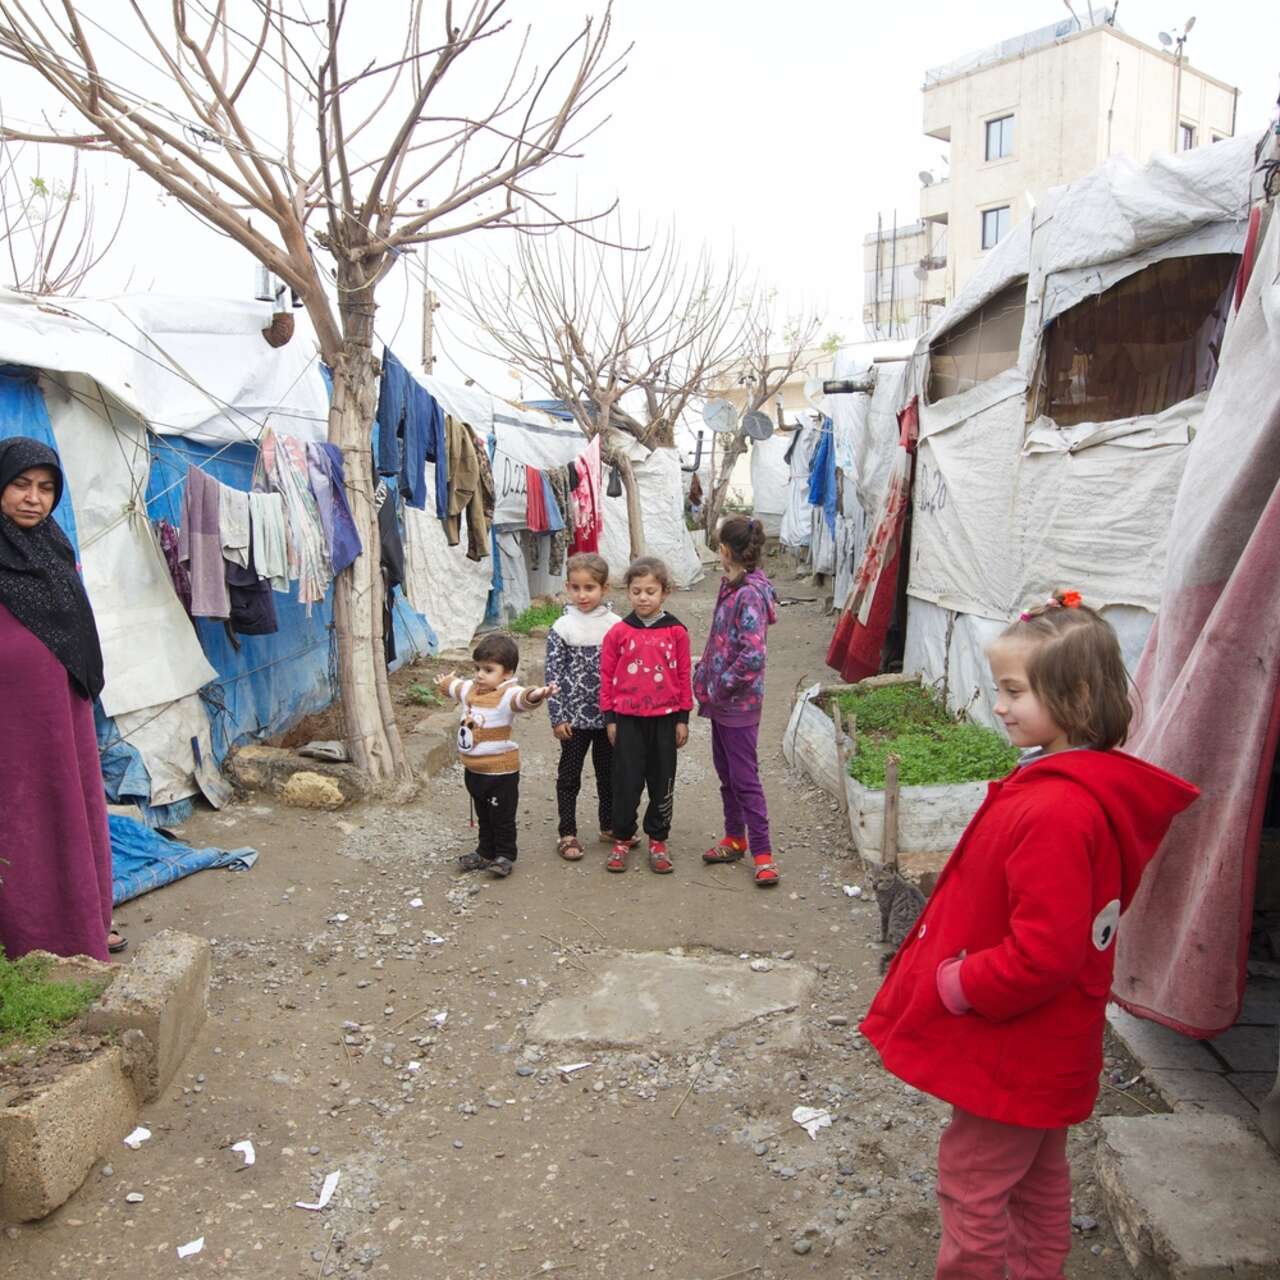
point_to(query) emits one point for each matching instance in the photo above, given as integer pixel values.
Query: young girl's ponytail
(744, 536)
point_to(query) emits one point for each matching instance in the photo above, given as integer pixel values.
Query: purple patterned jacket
(729, 679)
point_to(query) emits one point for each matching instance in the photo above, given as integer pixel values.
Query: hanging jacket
(465, 491)
(729, 679)
(1031, 897)
(644, 671)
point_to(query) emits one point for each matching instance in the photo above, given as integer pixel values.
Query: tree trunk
(720, 488)
(371, 733)
(635, 521)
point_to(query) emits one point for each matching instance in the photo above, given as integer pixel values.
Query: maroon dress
(55, 846)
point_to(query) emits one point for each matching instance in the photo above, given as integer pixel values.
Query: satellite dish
(720, 415)
(926, 178)
(1166, 39)
(1191, 22)
(757, 425)
(813, 393)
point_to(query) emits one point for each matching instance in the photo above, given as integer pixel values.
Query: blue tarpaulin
(822, 476)
(143, 859)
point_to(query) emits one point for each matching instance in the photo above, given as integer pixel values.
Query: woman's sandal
(569, 848)
(120, 943)
(725, 852)
(766, 874)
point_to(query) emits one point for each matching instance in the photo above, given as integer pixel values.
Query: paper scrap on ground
(571, 1067)
(853, 891)
(134, 1197)
(811, 1119)
(440, 1018)
(340, 918)
(137, 1137)
(186, 1250)
(245, 1148)
(434, 939)
(415, 902)
(326, 1192)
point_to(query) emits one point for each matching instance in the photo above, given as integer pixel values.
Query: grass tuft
(32, 1008)
(537, 615)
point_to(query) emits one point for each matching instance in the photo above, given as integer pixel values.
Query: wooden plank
(889, 845)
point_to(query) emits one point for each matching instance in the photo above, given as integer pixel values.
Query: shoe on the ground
(501, 867)
(474, 861)
(618, 855)
(729, 849)
(569, 848)
(766, 871)
(659, 860)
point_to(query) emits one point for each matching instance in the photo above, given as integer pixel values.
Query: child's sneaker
(618, 855)
(474, 861)
(659, 862)
(501, 867)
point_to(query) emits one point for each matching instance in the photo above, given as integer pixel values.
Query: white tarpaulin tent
(1006, 509)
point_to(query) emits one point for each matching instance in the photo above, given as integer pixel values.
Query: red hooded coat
(1032, 896)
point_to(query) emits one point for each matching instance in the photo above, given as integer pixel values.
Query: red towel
(536, 508)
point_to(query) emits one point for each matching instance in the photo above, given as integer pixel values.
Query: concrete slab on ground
(656, 1000)
(1157, 1046)
(1191, 1197)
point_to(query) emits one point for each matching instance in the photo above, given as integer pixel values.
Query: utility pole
(429, 305)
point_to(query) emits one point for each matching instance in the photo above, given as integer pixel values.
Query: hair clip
(1071, 600)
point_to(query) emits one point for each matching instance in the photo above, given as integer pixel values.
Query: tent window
(978, 347)
(1145, 344)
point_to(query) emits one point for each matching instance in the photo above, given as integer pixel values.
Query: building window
(995, 226)
(1186, 137)
(978, 347)
(1147, 343)
(1000, 138)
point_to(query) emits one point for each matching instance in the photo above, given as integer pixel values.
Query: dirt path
(353, 1031)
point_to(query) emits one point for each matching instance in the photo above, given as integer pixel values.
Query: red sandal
(730, 849)
(618, 856)
(659, 863)
(766, 871)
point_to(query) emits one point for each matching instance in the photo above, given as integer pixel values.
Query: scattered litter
(853, 891)
(434, 939)
(569, 1068)
(246, 1149)
(333, 751)
(340, 918)
(186, 1250)
(326, 1192)
(440, 1018)
(134, 1197)
(415, 902)
(811, 1119)
(415, 1066)
(137, 1138)
(761, 966)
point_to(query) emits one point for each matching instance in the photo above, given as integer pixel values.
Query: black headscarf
(39, 584)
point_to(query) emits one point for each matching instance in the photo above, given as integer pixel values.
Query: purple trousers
(733, 749)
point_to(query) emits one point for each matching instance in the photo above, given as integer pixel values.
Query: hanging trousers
(573, 755)
(496, 796)
(733, 751)
(644, 758)
(1004, 1193)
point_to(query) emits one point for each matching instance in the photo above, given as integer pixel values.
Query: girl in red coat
(997, 1000)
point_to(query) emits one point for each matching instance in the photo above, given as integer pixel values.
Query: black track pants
(644, 757)
(496, 796)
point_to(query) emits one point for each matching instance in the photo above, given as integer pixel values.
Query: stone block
(1261, 1002)
(50, 1141)
(1254, 1085)
(164, 996)
(272, 770)
(1157, 1046)
(308, 790)
(1191, 1197)
(1200, 1091)
(1249, 1048)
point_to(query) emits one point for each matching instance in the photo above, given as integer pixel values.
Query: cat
(901, 903)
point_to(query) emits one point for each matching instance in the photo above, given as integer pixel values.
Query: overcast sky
(780, 128)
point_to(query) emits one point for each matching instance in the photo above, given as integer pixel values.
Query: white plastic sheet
(770, 476)
(796, 527)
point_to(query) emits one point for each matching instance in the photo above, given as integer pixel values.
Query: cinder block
(164, 995)
(1191, 1197)
(1200, 1091)
(49, 1143)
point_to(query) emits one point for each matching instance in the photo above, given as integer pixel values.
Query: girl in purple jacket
(729, 687)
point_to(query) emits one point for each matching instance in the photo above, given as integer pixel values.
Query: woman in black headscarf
(55, 847)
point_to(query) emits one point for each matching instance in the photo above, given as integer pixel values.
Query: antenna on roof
(1072, 12)
(1191, 22)
(926, 178)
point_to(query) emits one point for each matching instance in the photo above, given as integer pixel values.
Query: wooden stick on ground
(889, 845)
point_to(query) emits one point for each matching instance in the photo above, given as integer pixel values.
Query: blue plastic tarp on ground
(142, 859)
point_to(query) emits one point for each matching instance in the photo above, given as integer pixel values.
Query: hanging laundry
(487, 490)
(282, 467)
(535, 499)
(200, 545)
(167, 537)
(233, 524)
(587, 512)
(392, 559)
(328, 486)
(269, 539)
(411, 432)
(465, 493)
(253, 610)
(556, 485)
(822, 476)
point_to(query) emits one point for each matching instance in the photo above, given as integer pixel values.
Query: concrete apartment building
(1021, 117)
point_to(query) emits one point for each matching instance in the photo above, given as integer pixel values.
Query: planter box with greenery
(943, 765)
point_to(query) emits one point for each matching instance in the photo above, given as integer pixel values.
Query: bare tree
(47, 225)
(768, 355)
(257, 137)
(624, 337)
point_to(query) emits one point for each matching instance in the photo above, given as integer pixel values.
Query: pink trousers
(1004, 1193)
